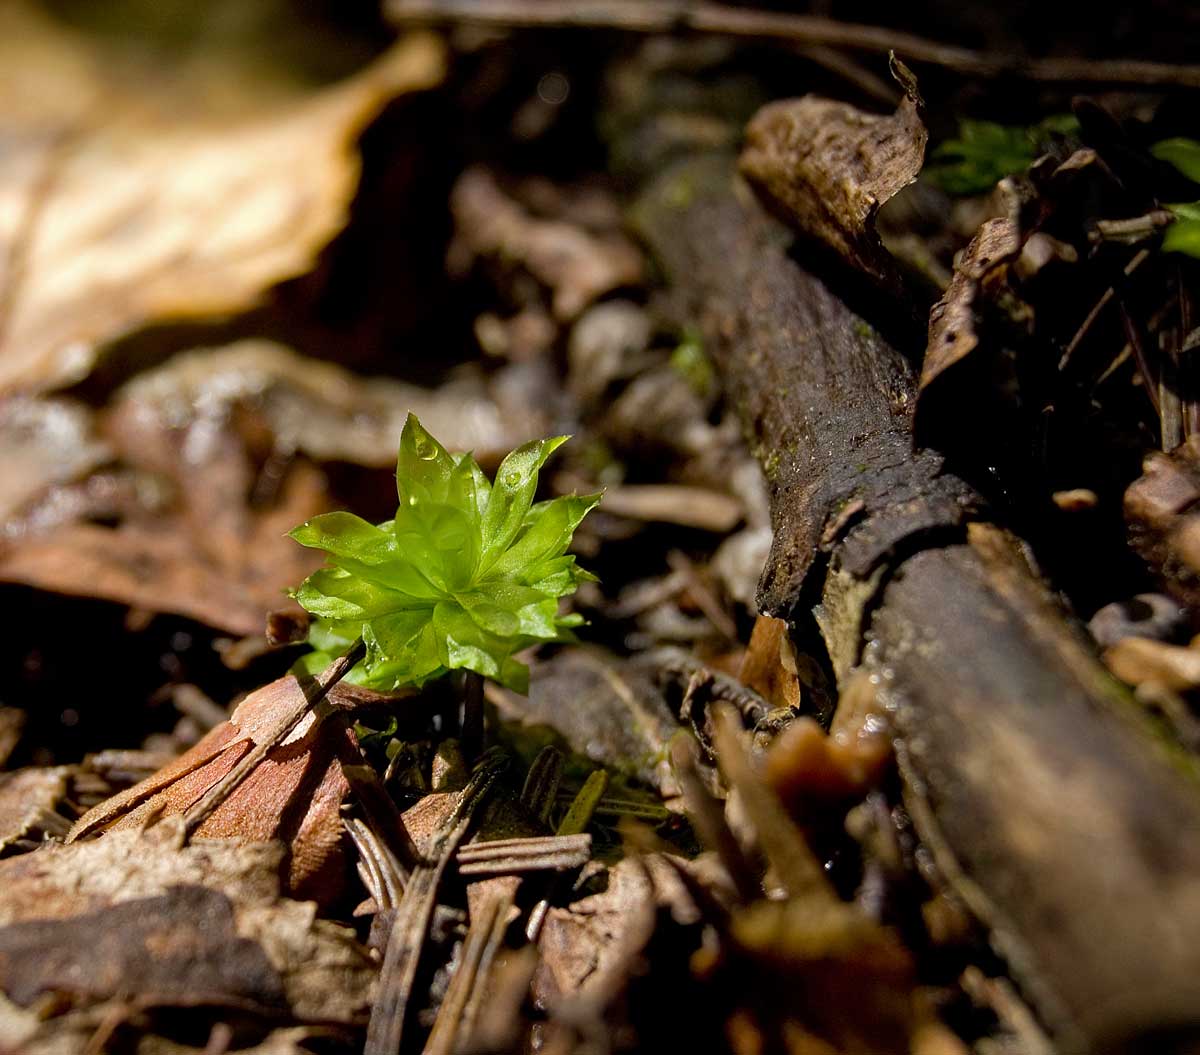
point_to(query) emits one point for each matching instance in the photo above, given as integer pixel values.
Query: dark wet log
(1054, 810)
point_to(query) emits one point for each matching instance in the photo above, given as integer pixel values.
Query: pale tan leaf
(129, 195)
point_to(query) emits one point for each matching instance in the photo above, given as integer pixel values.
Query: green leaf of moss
(512, 495)
(466, 575)
(345, 535)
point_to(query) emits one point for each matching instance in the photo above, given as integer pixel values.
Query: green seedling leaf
(466, 575)
(1183, 236)
(1183, 153)
(985, 152)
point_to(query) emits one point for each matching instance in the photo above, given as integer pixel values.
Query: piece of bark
(1070, 831)
(181, 947)
(827, 167)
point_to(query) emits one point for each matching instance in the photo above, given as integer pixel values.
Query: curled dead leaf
(769, 665)
(952, 335)
(827, 168)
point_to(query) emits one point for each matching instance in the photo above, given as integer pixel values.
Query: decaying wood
(1067, 827)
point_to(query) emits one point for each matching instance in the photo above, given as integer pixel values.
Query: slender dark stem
(666, 16)
(472, 725)
(315, 692)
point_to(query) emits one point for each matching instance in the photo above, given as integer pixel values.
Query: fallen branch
(1055, 813)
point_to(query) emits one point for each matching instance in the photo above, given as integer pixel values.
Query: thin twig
(411, 925)
(669, 16)
(539, 853)
(315, 692)
(1147, 369)
(1140, 257)
(464, 994)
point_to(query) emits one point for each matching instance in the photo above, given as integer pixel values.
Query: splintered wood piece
(460, 1006)
(511, 856)
(794, 864)
(411, 925)
(708, 818)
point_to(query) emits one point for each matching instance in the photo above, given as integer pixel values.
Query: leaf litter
(675, 839)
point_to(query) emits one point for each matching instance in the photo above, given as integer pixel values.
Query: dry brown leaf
(769, 665)
(191, 945)
(57, 881)
(45, 442)
(132, 193)
(828, 167)
(326, 974)
(208, 480)
(188, 541)
(27, 1031)
(952, 335)
(586, 946)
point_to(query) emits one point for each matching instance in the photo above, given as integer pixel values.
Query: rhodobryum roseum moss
(465, 575)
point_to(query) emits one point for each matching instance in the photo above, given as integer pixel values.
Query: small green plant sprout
(467, 574)
(985, 152)
(1183, 235)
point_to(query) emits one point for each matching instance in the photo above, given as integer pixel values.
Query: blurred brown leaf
(177, 497)
(323, 971)
(135, 190)
(190, 536)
